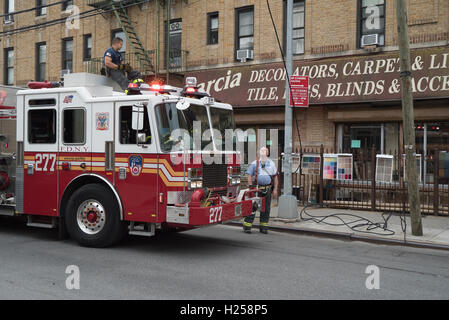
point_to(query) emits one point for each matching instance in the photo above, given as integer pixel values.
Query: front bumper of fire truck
(202, 216)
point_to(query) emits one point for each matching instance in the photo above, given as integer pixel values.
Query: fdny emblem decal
(135, 164)
(102, 121)
(68, 99)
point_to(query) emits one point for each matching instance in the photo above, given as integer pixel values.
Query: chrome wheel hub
(91, 217)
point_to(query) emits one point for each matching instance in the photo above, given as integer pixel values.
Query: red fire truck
(99, 163)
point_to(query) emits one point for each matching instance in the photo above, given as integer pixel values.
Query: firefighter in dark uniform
(264, 174)
(115, 69)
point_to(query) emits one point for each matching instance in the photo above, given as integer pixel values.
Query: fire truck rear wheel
(93, 217)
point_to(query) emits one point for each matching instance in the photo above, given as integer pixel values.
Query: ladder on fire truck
(120, 10)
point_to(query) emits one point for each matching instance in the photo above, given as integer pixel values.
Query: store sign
(336, 80)
(299, 86)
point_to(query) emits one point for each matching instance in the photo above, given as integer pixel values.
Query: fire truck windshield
(222, 120)
(173, 126)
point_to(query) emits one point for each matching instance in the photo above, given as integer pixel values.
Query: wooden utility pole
(408, 119)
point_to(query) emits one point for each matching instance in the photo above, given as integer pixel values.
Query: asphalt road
(219, 262)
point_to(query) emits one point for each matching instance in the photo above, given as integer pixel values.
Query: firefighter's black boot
(263, 228)
(247, 227)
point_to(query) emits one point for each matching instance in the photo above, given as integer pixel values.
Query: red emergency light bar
(193, 92)
(44, 85)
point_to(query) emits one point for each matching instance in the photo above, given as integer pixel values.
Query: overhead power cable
(285, 66)
(80, 16)
(14, 13)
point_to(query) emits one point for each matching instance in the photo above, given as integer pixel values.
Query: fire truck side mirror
(141, 138)
(137, 117)
(182, 105)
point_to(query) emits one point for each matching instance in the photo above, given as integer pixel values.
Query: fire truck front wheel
(93, 217)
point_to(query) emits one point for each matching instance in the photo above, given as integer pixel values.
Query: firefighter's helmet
(134, 87)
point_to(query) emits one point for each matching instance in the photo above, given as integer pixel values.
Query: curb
(351, 237)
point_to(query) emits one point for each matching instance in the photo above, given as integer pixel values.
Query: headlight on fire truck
(195, 178)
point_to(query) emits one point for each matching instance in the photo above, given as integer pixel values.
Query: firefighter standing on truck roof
(115, 69)
(262, 172)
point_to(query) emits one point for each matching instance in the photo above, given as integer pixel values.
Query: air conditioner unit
(370, 40)
(244, 55)
(8, 19)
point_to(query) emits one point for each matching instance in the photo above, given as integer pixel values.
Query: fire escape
(147, 62)
(119, 8)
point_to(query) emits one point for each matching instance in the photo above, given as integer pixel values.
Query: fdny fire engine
(100, 163)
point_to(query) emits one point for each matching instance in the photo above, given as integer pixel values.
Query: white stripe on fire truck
(121, 164)
(164, 170)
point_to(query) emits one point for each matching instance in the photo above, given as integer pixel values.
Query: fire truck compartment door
(136, 168)
(75, 143)
(41, 143)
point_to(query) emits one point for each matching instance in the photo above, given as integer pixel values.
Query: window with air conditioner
(245, 32)
(371, 23)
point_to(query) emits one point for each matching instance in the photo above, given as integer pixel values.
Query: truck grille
(215, 175)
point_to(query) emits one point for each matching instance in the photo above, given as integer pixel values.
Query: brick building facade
(354, 93)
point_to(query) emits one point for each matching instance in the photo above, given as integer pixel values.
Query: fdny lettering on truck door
(75, 156)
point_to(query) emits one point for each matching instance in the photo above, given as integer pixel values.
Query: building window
(245, 28)
(9, 66)
(74, 126)
(41, 61)
(298, 27)
(212, 28)
(372, 20)
(66, 4)
(175, 39)
(120, 34)
(67, 54)
(362, 136)
(9, 8)
(87, 47)
(42, 126)
(41, 9)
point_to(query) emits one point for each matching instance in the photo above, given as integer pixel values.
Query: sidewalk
(435, 228)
